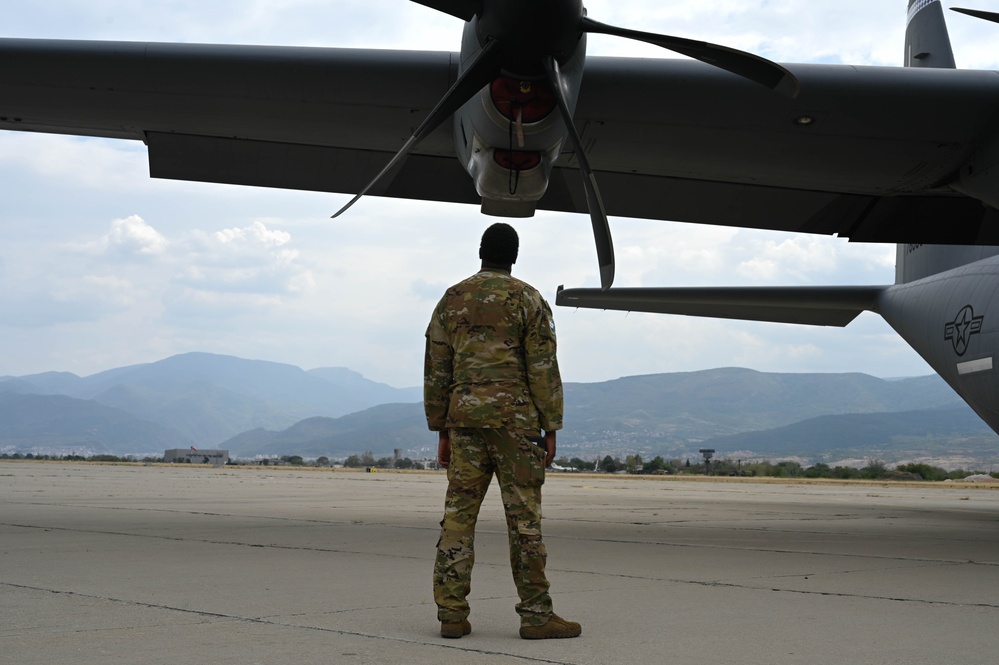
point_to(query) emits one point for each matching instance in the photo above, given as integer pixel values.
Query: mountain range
(199, 398)
(253, 407)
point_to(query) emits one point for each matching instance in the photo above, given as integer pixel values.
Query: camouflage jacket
(490, 357)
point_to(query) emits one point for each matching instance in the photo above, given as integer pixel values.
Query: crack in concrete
(283, 624)
(746, 587)
(705, 583)
(179, 539)
(548, 537)
(769, 550)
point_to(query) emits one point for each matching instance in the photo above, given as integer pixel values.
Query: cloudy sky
(101, 266)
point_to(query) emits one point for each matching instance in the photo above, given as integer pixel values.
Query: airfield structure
(708, 454)
(194, 456)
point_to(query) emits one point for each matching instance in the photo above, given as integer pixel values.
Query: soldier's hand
(444, 449)
(549, 448)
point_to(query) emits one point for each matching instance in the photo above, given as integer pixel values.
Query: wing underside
(667, 139)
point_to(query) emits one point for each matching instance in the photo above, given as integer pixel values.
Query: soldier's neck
(489, 265)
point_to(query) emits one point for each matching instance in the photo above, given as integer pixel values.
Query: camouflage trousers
(519, 466)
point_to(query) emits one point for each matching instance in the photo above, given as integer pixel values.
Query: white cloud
(759, 269)
(133, 235)
(427, 291)
(119, 291)
(250, 260)
(94, 163)
(799, 258)
(255, 233)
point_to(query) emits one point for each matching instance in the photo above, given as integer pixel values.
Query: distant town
(875, 470)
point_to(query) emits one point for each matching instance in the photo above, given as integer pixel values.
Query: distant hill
(63, 423)
(210, 398)
(365, 390)
(674, 414)
(254, 407)
(723, 401)
(858, 431)
(380, 429)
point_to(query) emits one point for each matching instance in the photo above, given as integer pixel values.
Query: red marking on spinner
(517, 160)
(531, 100)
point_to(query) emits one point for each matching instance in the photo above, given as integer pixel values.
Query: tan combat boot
(455, 629)
(557, 627)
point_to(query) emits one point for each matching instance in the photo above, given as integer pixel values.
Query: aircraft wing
(809, 305)
(295, 118)
(863, 152)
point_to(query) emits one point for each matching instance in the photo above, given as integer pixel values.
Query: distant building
(194, 456)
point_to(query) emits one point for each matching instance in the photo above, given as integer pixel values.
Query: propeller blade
(594, 203)
(463, 9)
(746, 65)
(977, 13)
(482, 70)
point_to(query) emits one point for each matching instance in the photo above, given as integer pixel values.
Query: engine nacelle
(509, 136)
(510, 182)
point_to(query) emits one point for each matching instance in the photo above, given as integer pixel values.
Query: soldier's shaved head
(499, 245)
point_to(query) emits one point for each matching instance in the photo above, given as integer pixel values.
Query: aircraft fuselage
(949, 317)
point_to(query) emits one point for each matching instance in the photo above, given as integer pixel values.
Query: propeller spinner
(532, 39)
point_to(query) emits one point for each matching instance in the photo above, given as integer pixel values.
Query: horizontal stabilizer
(809, 305)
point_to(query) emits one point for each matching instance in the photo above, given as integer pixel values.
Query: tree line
(367, 459)
(873, 470)
(632, 464)
(364, 460)
(80, 458)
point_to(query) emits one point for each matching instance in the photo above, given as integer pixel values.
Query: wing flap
(307, 167)
(808, 305)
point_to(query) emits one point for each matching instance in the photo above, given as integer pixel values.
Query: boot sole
(553, 635)
(455, 633)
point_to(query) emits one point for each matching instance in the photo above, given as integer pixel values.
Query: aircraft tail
(927, 42)
(942, 302)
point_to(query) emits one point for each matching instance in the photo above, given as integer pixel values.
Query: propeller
(746, 65)
(479, 74)
(595, 204)
(463, 9)
(533, 38)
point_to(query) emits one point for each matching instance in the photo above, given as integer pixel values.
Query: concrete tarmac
(177, 565)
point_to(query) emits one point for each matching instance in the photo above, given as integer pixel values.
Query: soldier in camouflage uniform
(491, 385)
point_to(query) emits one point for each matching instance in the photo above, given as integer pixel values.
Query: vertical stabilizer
(946, 297)
(927, 43)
